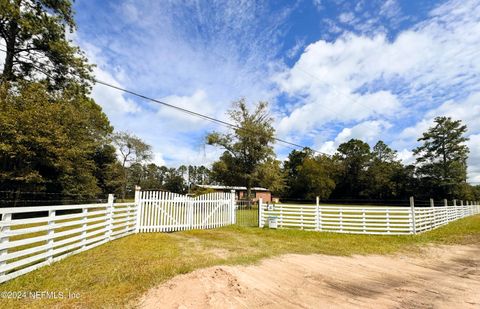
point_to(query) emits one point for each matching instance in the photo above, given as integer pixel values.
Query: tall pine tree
(442, 157)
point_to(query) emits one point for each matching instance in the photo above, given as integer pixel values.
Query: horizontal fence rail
(361, 219)
(32, 237)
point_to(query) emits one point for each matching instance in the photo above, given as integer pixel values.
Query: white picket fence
(51, 233)
(168, 212)
(362, 219)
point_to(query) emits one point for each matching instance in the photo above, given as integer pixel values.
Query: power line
(184, 110)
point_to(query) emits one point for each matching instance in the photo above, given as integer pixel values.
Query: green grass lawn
(116, 273)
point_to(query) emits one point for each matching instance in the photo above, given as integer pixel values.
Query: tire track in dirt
(438, 277)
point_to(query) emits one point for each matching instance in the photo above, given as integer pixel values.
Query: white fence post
(341, 219)
(233, 208)
(51, 231)
(301, 217)
(364, 221)
(260, 212)
(137, 207)
(317, 214)
(412, 211)
(387, 214)
(110, 216)
(191, 205)
(84, 227)
(433, 217)
(4, 239)
(280, 220)
(455, 210)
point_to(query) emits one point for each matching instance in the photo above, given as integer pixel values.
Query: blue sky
(331, 70)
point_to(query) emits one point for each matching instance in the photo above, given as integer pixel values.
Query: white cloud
(200, 56)
(368, 131)
(467, 110)
(158, 159)
(198, 101)
(112, 101)
(406, 156)
(346, 17)
(474, 159)
(357, 77)
(318, 4)
(390, 8)
(292, 52)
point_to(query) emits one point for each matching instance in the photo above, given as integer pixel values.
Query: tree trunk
(8, 67)
(249, 191)
(10, 56)
(124, 187)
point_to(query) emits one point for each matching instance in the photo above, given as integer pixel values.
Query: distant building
(241, 192)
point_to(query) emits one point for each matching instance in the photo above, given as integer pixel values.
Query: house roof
(217, 187)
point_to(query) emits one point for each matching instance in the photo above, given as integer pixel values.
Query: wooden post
(445, 202)
(233, 208)
(387, 215)
(364, 220)
(280, 220)
(433, 216)
(260, 212)
(341, 219)
(110, 216)
(301, 217)
(4, 239)
(51, 231)
(317, 214)
(412, 211)
(138, 208)
(84, 227)
(455, 210)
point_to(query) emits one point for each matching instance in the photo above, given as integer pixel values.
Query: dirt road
(439, 277)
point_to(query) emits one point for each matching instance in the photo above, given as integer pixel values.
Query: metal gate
(246, 212)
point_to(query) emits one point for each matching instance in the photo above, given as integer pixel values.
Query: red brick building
(241, 192)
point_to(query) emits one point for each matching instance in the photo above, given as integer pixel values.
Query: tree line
(354, 171)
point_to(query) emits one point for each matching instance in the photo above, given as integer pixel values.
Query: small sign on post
(272, 222)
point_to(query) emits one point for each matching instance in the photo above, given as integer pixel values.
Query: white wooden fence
(56, 232)
(31, 237)
(362, 219)
(51, 233)
(168, 212)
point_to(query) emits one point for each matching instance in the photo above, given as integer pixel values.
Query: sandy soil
(439, 277)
